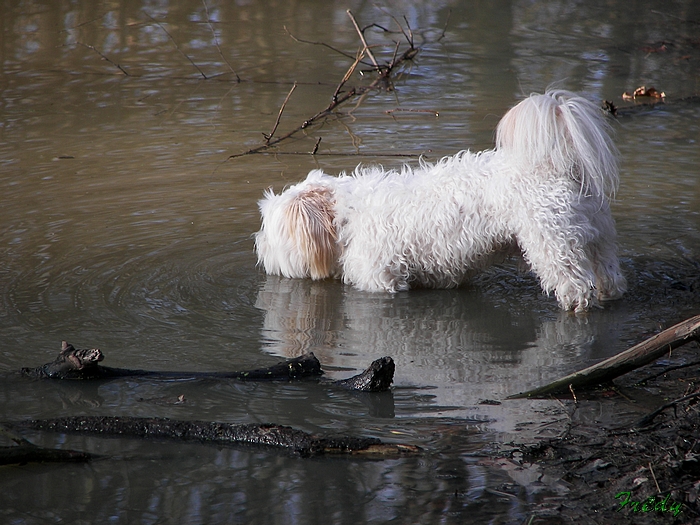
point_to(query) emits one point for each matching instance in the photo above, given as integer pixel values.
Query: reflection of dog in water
(543, 190)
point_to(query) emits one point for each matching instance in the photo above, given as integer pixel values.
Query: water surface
(125, 225)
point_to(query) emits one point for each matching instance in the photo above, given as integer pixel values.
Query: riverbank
(628, 465)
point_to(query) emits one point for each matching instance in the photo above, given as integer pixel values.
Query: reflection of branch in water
(216, 41)
(175, 44)
(103, 57)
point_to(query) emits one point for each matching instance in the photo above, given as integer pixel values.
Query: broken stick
(631, 359)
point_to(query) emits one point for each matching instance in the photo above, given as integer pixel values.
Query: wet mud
(641, 469)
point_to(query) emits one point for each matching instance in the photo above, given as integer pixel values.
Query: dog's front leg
(554, 245)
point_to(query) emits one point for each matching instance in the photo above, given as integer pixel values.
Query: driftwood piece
(84, 364)
(631, 359)
(222, 434)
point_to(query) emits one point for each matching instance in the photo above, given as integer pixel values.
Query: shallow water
(125, 226)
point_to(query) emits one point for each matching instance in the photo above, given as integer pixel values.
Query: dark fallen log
(76, 363)
(84, 364)
(631, 359)
(295, 441)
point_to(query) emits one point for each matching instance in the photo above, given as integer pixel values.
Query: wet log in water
(84, 364)
(631, 359)
(277, 436)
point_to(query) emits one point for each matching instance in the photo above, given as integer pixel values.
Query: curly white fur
(544, 191)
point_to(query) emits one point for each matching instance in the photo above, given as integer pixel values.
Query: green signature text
(651, 504)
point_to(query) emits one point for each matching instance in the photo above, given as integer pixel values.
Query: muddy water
(125, 226)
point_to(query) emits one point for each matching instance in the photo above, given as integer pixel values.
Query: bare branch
(314, 43)
(409, 37)
(279, 115)
(649, 418)
(362, 39)
(339, 96)
(347, 75)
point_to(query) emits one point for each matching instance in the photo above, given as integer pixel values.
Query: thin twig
(103, 57)
(315, 150)
(658, 489)
(216, 41)
(331, 154)
(99, 17)
(409, 37)
(362, 39)
(175, 44)
(314, 43)
(373, 24)
(279, 115)
(573, 394)
(347, 75)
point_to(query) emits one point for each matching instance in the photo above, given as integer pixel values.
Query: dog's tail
(298, 237)
(565, 134)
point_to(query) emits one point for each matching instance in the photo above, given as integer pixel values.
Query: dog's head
(561, 134)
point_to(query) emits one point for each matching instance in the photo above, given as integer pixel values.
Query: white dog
(544, 190)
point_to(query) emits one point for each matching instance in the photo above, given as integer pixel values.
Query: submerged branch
(23, 454)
